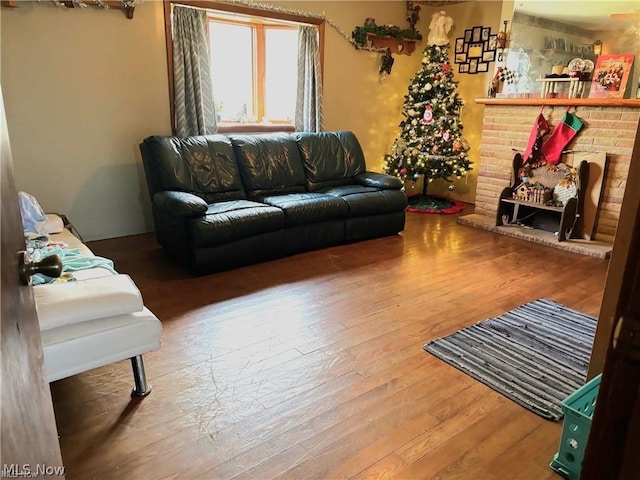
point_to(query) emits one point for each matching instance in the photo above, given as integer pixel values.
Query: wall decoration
(500, 43)
(488, 56)
(386, 62)
(128, 6)
(475, 50)
(610, 76)
(380, 37)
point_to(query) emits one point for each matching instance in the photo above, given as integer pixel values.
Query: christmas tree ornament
(451, 187)
(427, 118)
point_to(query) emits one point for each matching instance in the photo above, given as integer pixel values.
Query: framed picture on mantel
(610, 76)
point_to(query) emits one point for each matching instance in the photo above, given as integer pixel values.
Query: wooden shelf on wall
(115, 4)
(549, 52)
(404, 46)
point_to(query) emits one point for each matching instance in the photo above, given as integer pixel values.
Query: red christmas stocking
(562, 134)
(540, 128)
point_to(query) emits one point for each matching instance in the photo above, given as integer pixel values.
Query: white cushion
(60, 304)
(81, 346)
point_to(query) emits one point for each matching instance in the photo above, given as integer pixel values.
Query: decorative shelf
(541, 206)
(550, 86)
(404, 46)
(547, 52)
(127, 8)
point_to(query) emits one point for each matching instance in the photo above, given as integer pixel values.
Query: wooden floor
(312, 366)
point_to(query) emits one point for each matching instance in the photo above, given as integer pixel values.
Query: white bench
(94, 321)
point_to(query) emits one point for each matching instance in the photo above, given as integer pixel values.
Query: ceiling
(588, 14)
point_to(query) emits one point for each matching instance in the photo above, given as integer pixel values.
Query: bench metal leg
(142, 388)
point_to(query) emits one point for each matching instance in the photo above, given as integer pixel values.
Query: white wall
(82, 87)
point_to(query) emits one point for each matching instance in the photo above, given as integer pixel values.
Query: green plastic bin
(578, 412)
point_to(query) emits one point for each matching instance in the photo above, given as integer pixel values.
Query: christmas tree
(430, 143)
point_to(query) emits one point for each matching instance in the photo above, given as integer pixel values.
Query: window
(253, 63)
(253, 70)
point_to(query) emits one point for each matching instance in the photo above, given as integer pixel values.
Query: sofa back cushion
(269, 163)
(330, 158)
(202, 165)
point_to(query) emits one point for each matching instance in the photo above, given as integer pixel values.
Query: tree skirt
(433, 204)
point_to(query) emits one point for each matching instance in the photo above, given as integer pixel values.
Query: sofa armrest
(379, 180)
(180, 204)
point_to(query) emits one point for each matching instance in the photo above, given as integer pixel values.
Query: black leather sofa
(224, 201)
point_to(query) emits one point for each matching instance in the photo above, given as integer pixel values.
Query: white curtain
(309, 115)
(193, 96)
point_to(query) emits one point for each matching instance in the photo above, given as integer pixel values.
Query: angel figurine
(439, 28)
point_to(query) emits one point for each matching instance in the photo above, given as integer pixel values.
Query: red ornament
(446, 68)
(437, 76)
(403, 171)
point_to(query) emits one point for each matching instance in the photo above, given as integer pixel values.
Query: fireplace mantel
(565, 102)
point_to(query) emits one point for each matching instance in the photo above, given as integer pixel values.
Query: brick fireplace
(610, 128)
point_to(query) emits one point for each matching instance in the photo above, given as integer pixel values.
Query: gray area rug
(536, 354)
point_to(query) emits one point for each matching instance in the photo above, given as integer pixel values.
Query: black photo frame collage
(475, 50)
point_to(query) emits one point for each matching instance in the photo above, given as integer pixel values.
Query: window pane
(232, 71)
(281, 65)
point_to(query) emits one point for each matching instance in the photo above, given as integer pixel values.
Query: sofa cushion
(228, 221)
(368, 200)
(269, 163)
(305, 208)
(202, 165)
(330, 158)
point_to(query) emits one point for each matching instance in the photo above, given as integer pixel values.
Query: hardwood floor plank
(481, 456)
(446, 453)
(312, 366)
